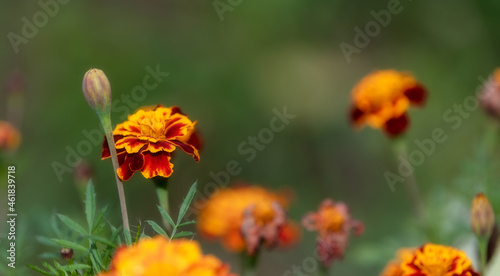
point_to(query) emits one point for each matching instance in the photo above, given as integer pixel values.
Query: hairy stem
(106, 123)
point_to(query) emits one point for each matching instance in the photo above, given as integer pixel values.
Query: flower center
(333, 220)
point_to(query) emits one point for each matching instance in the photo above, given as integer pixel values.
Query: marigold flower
(333, 224)
(490, 95)
(10, 138)
(146, 141)
(245, 217)
(482, 217)
(393, 268)
(159, 257)
(437, 260)
(382, 98)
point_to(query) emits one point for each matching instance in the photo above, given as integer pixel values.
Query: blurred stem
(483, 251)
(401, 149)
(249, 263)
(106, 123)
(323, 270)
(162, 193)
(490, 138)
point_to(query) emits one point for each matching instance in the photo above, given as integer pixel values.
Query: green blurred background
(229, 75)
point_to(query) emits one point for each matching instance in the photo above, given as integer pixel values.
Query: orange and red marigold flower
(430, 260)
(147, 140)
(245, 217)
(10, 137)
(159, 257)
(333, 224)
(382, 98)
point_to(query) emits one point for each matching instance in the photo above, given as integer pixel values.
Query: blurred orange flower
(393, 268)
(431, 260)
(243, 217)
(333, 224)
(146, 141)
(159, 256)
(382, 98)
(10, 138)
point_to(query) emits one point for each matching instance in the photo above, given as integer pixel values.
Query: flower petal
(417, 95)
(157, 164)
(160, 146)
(396, 126)
(356, 115)
(130, 144)
(189, 149)
(124, 171)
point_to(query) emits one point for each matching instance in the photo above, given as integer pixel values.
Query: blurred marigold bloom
(146, 141)
(482, 217)
(10, 138)
(393, 268)
(244, 217)
(430, 260)
(159, 257)
(382, 98)
(490, 95)
(333, 224)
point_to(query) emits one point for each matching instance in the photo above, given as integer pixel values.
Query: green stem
(483, 251)
(249, 264)
(323, 270)
(401, 149)
(162, 194)
(106, 123)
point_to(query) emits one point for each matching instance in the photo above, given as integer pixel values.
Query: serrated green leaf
(187, 223)
(97, 257)
(72, 224)
(187, 202)
(183, 234)
(99, 217)
(90, 205)
(157, 228)
(50, 268)
(39, 270)
(59, 269)
(70, 244)
(166, 216)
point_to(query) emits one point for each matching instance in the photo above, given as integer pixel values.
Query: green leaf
(157, 228)
(55, 226)
(128, 238)
(39, 270)
(102, 240)
(73, 267)
(166, 216)
(187, 202)
(50, 268)
(99, 217)
(46, 241)
(60, 269)
(183, 234)
(187, 223)
(90, 205)
(72, 224)
(70, 244)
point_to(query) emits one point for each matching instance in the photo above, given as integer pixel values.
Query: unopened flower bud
(490, 95)
(67, 253)
(97, 91)
(482, 217)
